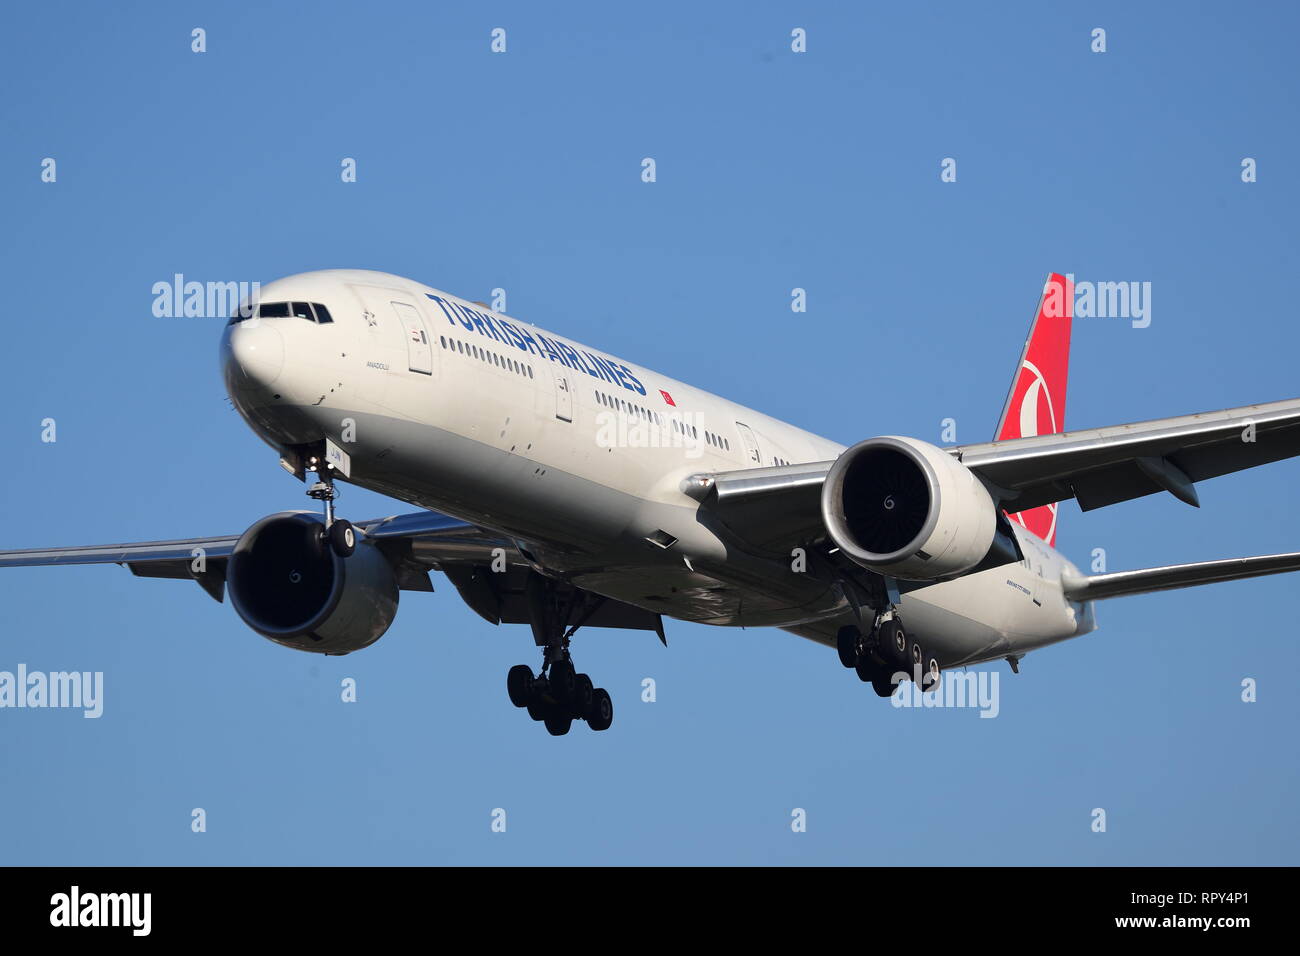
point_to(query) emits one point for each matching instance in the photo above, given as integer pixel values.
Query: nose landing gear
(339, 533)
(342, 537)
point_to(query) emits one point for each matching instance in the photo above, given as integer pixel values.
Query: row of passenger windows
(485, 355)
(779, 461)
(679, 426)
(621, 405)
(311, 311)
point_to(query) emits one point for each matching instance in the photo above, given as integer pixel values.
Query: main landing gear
(886, 655)
(558, 695)
(339, 533)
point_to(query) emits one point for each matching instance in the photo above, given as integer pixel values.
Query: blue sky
(522, 171)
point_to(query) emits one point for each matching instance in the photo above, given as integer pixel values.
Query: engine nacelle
(908, 509)
(288, 585)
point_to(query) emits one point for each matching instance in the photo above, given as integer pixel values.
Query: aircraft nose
(255, 350)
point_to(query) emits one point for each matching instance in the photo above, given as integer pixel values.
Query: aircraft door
(418, 346)
(751, 444)
(563, 395)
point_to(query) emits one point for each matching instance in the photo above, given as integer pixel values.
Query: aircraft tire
(342, 537)
(557, 725)
(891, 642)
(847, 642)
(584, 691)
(563, 682)
(601, 714)
(519, 684)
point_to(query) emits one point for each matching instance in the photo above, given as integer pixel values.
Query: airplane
(564, 488)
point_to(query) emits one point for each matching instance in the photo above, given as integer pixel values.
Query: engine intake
(908, 509)
(288, 585)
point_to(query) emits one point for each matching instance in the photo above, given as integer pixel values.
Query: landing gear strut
(558, 695)
(339, 533)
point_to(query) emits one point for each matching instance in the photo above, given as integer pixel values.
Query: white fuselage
(580, 457)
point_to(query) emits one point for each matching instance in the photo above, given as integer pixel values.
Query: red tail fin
(1036, 402)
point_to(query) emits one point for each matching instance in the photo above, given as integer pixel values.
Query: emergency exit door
(563, 396)
(751, 444)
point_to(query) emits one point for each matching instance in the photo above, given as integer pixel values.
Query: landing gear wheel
(883, 684)
(867, 669)
(846, 642)
(583, 692)
(557, 725)
(601, 714)
(537, 706)
(917, 657)
(342, 537)
(891, 643)
(519, 684)
(563, 682)
(930, 679)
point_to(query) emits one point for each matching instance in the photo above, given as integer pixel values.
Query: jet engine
(907, 509)
(288, 585)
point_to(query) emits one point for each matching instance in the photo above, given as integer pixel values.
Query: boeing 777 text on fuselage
(564, 488)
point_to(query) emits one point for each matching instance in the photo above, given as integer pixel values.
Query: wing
(772, 508)
(1122, 583)
(487, 569)
(414, 543)
(766, 508)
(1103, 466)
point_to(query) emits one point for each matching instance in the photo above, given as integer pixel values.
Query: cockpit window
(311, 311)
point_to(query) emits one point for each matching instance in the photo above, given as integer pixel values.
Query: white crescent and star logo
(1029, 403)
(1036, 396)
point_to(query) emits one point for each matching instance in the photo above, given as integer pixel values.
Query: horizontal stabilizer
(1097, 587)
